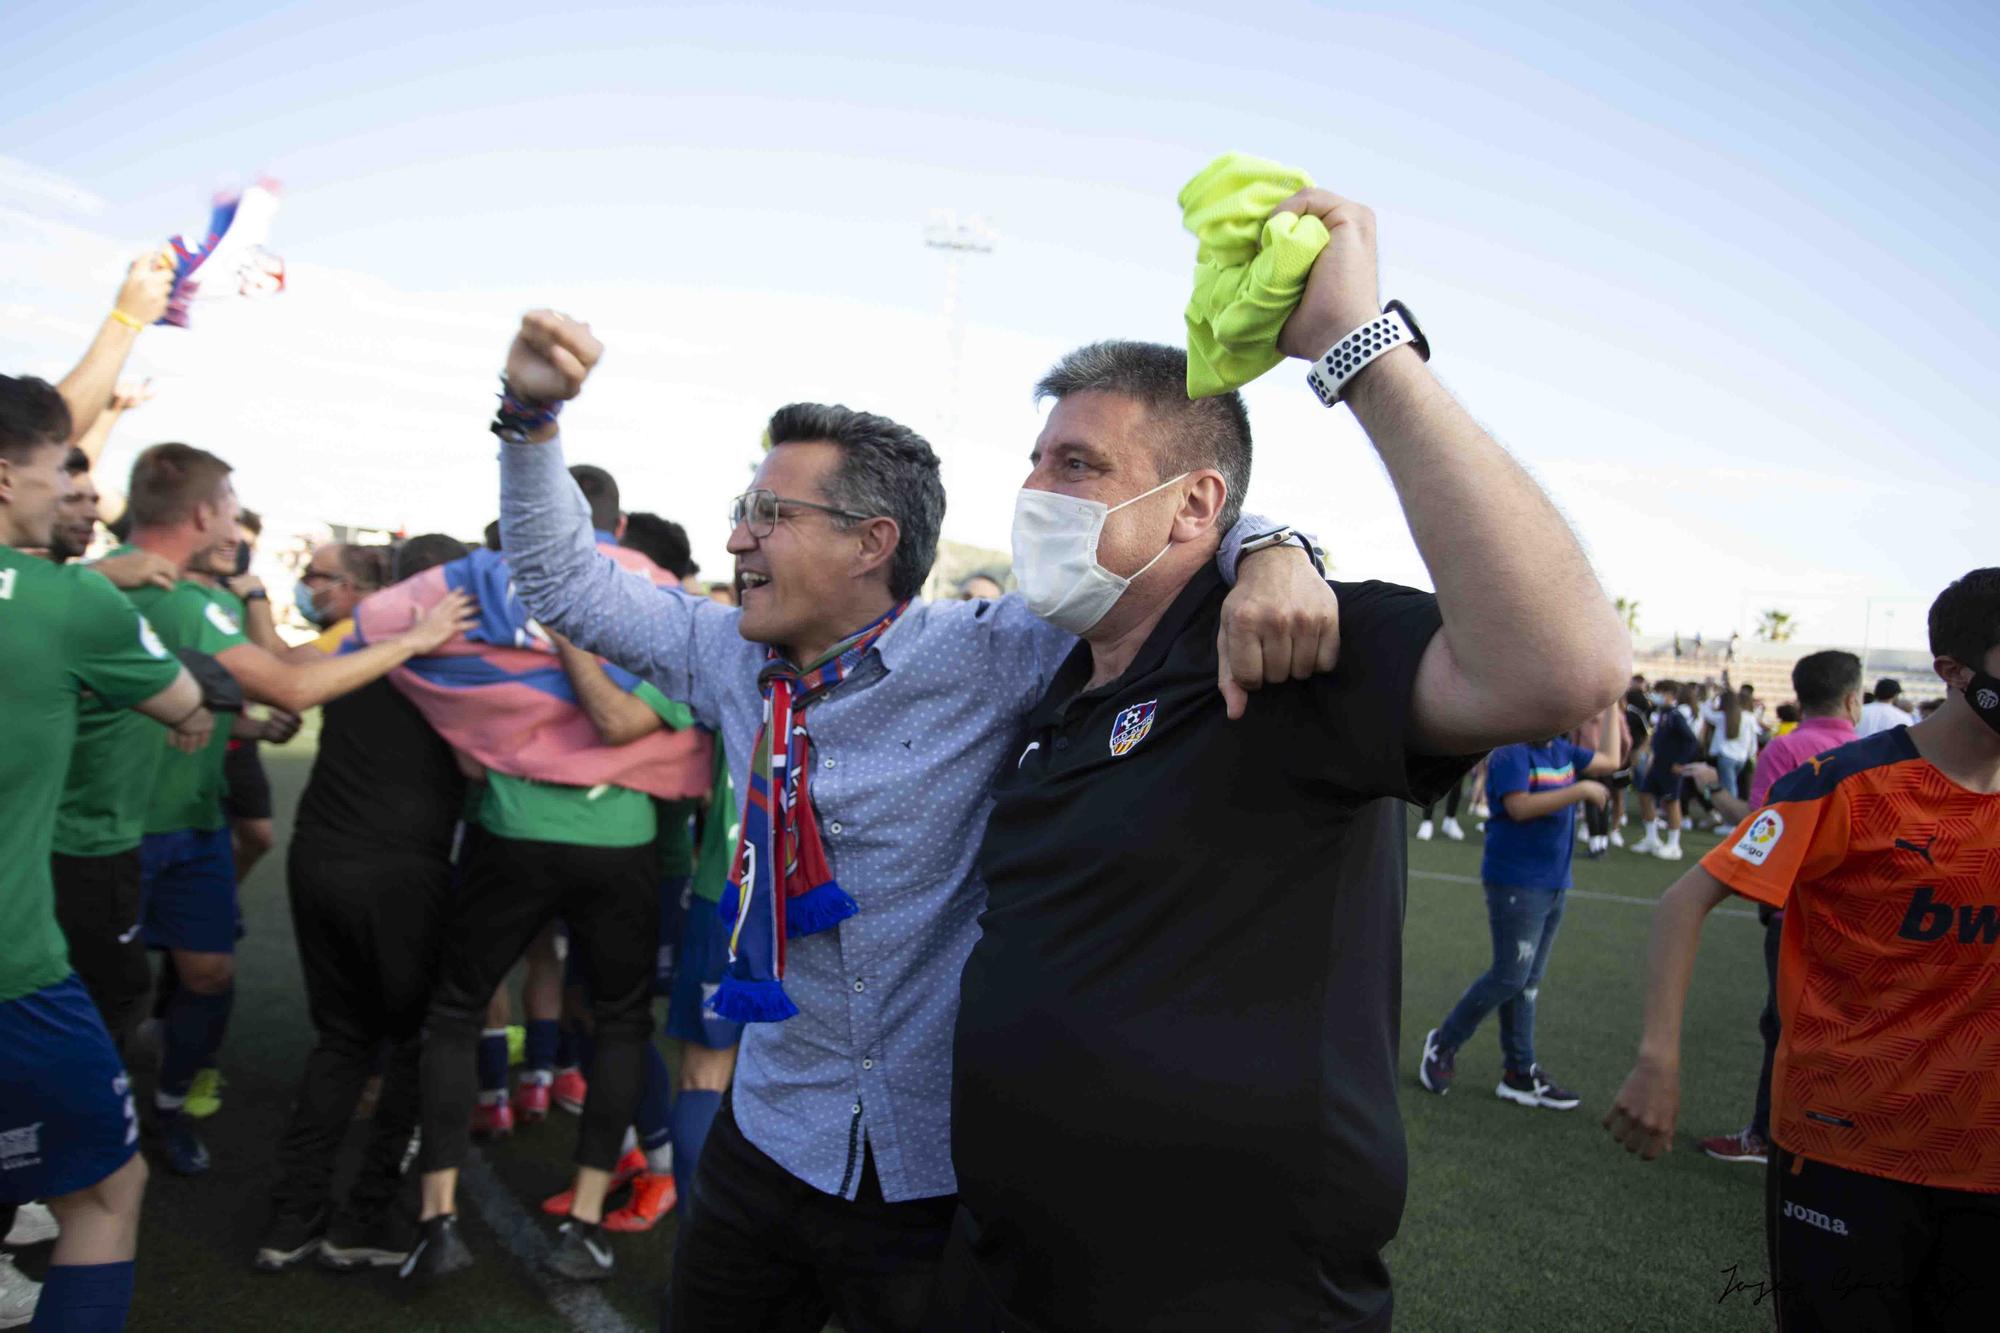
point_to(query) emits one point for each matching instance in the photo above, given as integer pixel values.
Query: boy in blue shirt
(1533, 790)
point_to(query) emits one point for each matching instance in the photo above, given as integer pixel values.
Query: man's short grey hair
(1192, 433)
(887, 470)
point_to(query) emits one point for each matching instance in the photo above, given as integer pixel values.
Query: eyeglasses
(762, 509)
(312, 575)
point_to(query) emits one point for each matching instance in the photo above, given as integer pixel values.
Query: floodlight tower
(957, 237)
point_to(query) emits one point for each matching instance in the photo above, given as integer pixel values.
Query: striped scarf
(780, 884)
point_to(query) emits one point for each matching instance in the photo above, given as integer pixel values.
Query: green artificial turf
(1517, 1218)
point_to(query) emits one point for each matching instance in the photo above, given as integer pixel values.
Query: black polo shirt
(383, 782)
(1174, 1076)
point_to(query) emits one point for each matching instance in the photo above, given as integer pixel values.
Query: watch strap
(1333, 372)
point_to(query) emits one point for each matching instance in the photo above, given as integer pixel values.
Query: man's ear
(878, 540)
(619, 532)
(6, 480)
(1952, 672)
(1202, 506)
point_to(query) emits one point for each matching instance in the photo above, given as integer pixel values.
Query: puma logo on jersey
(1928, 919)
(1819, 761)
(1921, 849)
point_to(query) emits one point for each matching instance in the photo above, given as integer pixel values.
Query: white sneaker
(1670, 851)
(1453, 831)
(1617, 838)
(1424, 831)
(18, 1294)
(1482, 811)
(1646, 845)
(33, 1224)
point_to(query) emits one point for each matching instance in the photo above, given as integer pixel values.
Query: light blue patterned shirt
(903, 750)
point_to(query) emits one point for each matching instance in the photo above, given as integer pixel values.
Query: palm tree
(1628, 611)
(1775, 626)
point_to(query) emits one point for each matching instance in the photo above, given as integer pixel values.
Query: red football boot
(494, 1120)
(531, 1101)
(630, 1167)
(569, 1090)
(653, 1197)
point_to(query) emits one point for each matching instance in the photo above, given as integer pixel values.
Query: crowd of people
(930, 888)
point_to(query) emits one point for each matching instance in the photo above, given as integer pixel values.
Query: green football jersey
(64, 630)
(187, 788)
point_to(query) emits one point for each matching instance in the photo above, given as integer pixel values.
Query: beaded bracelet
(519, 417)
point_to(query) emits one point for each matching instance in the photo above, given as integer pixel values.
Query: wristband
(1334, 372)
(129, 321)
(256, 595)
(176, 726)
(519, 417)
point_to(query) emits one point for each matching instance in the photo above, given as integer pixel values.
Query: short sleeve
(217, 631)
(1506, 771)
(1365, 701)
(1780, 845)
(677, 716)
(113, 652)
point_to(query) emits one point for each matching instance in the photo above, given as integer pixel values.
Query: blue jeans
(1524, 925)
(1728, 772)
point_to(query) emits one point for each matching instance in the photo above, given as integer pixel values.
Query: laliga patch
(151, 641)
(1132, 726)
(220, 619)
(1757, 841)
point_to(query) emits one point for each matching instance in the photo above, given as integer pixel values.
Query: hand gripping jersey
(1889, 973)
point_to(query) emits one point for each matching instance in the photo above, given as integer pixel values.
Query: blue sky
(1719, 274)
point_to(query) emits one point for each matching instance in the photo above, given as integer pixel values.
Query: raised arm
(686, 646)
(1642, 1115)
(142, 298)
(1530, 644)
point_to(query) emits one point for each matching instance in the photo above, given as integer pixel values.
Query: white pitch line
(580, 1303)
(1581, 893)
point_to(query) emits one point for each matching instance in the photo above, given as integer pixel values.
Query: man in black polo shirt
(1192, 945)
(371, 882)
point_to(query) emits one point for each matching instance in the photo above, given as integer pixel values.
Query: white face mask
(1055, 557)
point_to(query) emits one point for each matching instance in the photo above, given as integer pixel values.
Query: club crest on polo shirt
(1757, 841)
(221, 619)
(1132, 726)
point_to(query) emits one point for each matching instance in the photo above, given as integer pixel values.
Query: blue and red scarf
(780, 884)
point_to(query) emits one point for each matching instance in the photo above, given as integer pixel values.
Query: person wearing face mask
(1883, 1192)
(332, 584)
(825, 1185)
(125, 795)
(1144, 993)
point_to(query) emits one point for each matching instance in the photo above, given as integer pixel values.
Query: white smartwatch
(1394, 327)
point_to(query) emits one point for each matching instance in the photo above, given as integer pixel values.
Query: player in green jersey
(67, 1132)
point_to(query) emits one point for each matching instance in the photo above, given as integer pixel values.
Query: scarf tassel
(817, 909)
(745, 1001)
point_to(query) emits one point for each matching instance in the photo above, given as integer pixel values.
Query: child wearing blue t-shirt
(1533, 791)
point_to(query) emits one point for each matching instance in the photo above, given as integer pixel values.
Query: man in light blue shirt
(826, 1186)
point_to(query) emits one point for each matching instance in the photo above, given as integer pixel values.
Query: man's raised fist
(551, 357)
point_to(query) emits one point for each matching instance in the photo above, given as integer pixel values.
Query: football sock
(654, 1119)
(565, 1057)
(493, 1060)
(544, 1037)
(191, 1033)
(694, 1112)
(84, 1298)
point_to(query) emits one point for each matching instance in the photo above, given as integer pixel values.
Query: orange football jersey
(1889, 972)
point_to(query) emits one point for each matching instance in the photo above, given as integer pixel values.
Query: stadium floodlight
(957, 237)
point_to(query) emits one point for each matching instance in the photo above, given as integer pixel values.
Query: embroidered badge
(1131, 726)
